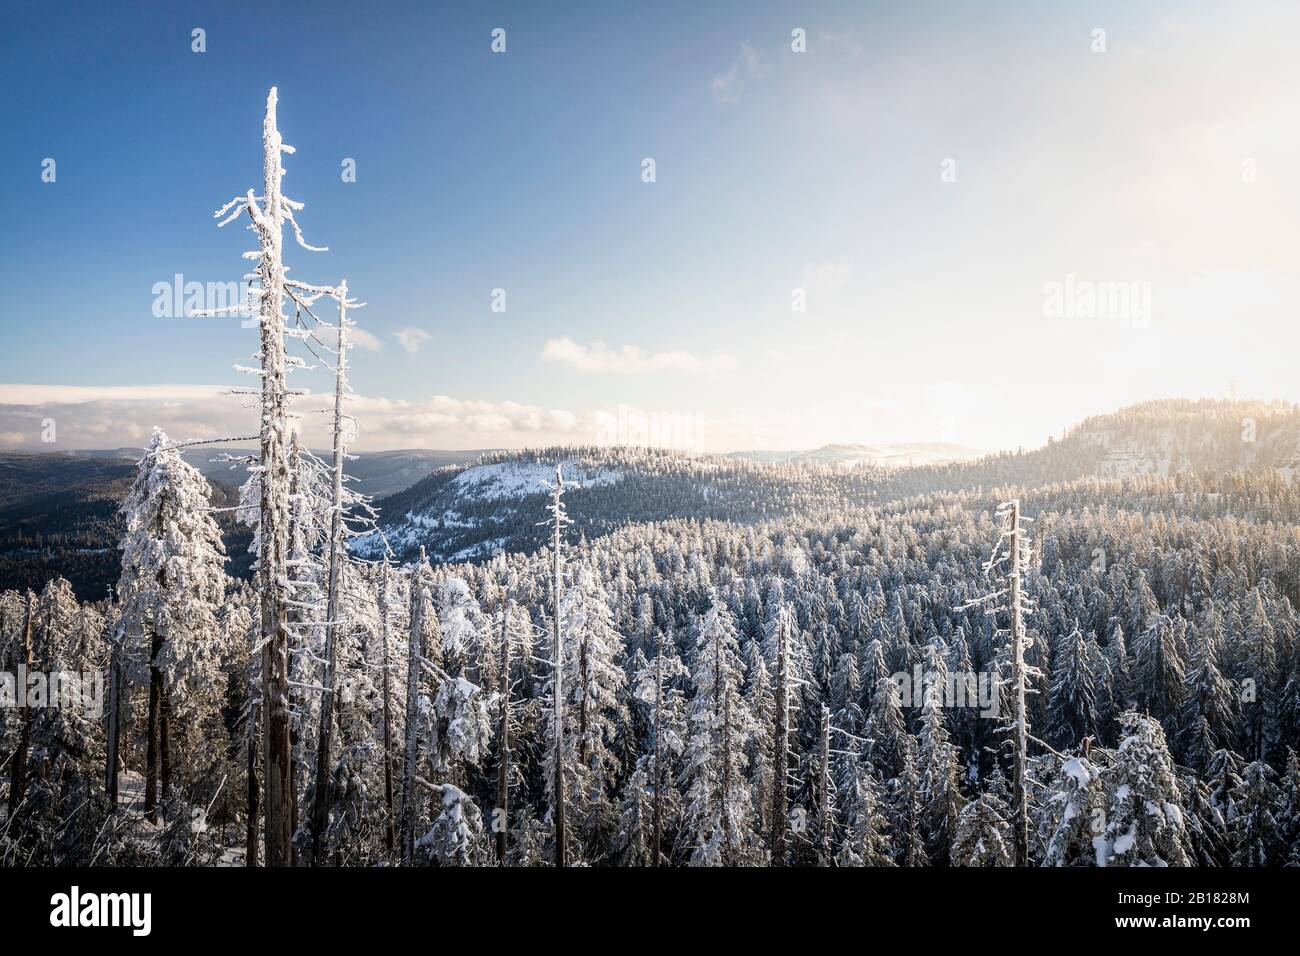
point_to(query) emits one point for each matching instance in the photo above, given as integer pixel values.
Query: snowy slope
(514, 479)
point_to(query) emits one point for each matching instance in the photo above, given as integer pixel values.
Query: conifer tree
(719, 805)
(171, 586)
(1144, 819)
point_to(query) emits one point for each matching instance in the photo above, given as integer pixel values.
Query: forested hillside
(760, 665)
(461, 513)
(59, 517)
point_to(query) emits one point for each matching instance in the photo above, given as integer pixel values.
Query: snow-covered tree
(1144, 821)
(940, 795)
(866, 836)
(457, 837)
(1073, 815)
(1255, 829)
(983, 836)
(719, 804)
(1073, 707)
(171, 587)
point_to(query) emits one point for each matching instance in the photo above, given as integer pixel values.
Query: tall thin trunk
(388, 711)
(273, 530)
(254, 788)
(112, 758)
(780, 743)
(503, 770)
(18, 761)
(1018, 679)
(558, 706)
(657, 836)
(320, 807)
(165, 747)
(824, 797)
(151, 749)
(414, 652)
(728, 845)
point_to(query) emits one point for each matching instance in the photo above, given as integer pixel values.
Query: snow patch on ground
(515, 479)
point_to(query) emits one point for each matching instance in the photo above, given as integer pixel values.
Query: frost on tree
(268, 214)
(719, 805)
(170, 590)
(1144, 821)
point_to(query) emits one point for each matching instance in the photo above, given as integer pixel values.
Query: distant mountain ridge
(58, 510)
(451, 516)
(904, 454)
(374, 473)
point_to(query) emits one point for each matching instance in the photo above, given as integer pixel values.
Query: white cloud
(630, 359)
(728, 85)
(363, 339)
(72, 394)
(411, 338)
(109, 418)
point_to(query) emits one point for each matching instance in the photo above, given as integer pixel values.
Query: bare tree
(414, 660)
(783, 631)
(388, 709)
(1011, 558)
(559, 518)
(503, 692)
(320, 808)
(268, 214)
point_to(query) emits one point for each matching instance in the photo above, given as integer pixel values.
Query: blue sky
(775, 171)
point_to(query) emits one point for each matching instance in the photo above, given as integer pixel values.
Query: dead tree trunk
(250, 826)
(320, 808)
(274, 507)
(780, 743)
(388, 711)
(824, 794)
(657, 814)
(1018, 680)
(415, 651)
(558, 683)
(503, 770)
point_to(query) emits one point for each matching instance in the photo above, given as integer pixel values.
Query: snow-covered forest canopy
(1087, 655)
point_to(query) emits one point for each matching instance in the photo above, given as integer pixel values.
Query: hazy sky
(947, 184)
